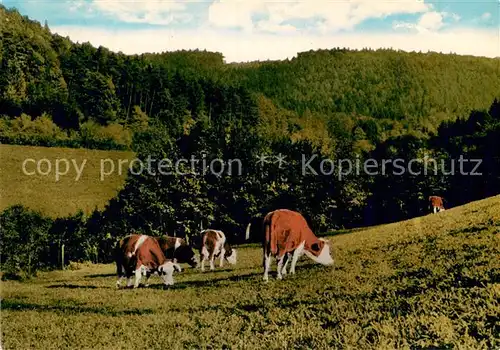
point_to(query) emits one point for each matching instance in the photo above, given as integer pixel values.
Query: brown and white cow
(214, 244)
(287, 235)
(178, 250)
(140, 255)
(436, 204)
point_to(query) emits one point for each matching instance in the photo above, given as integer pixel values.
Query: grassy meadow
(429, 282)
(66, 195)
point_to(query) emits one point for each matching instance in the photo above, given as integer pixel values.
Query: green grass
(66, 196)
(430, 282)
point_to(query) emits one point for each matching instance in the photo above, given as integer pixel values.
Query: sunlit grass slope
(70, 193)
(430, 282)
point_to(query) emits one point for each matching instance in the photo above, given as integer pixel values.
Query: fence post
(62, 256)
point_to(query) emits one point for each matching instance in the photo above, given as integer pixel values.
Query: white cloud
(451, 15)
(332, 15)
(143, 11)
(239, 47)
(430, 21)
(237, 14)
(486, 16)
(273, 27)
(75, 5)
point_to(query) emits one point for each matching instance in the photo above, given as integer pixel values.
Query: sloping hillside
(78, 188)
(389, 84)
(429, 282)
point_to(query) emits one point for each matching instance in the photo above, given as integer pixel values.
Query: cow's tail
(247, 232)
(202, 244)
(204, 241)
(266, 234)
(118, 258)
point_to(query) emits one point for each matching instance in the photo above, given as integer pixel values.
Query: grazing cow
(287, 235)
(436, 204)
(178, 250)
(141, 255)
(214, 244)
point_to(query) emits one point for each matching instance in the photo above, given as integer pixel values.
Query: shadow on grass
(208, 280)
(217, 270)
(469, 230)
(252, 276)
(73, 286)
(205, 283)
(101, 275)
(17, 305)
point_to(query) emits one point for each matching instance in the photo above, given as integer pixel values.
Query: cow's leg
(148, 277)
(129, 281)
(212, 259)
(267, 263)
(435, 210)
(296, 255)
(280, 261)
(119, 281)
(203, 258)
(222, 254)
(121, 276)
(287, 260)
(138, 275)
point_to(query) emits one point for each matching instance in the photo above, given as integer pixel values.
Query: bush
(24, 241)
(93, 134)
(30, 242)
(42, 131)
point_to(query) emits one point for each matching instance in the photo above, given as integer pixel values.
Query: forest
(337, 104)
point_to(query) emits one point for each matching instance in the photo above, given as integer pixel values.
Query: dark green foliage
(476, 139)
(466, 168)
(383, 83)
(336, 104)
(42, 131)
(385, 93)
(24, 241)
(30, 242)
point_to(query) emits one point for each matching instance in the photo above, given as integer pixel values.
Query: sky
(249, 30)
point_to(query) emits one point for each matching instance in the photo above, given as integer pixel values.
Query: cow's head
(186, 254)
(230, 254)
(320, 252)
(166, 272)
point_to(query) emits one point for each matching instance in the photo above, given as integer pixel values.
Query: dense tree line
(336, 105)
(77, 84)
(178, 204)
(461, 163)
(377, 94)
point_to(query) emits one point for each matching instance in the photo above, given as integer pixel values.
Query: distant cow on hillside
(436, 204)
(214, 244)
(287, 235)
(178, 250)
(141, 255)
